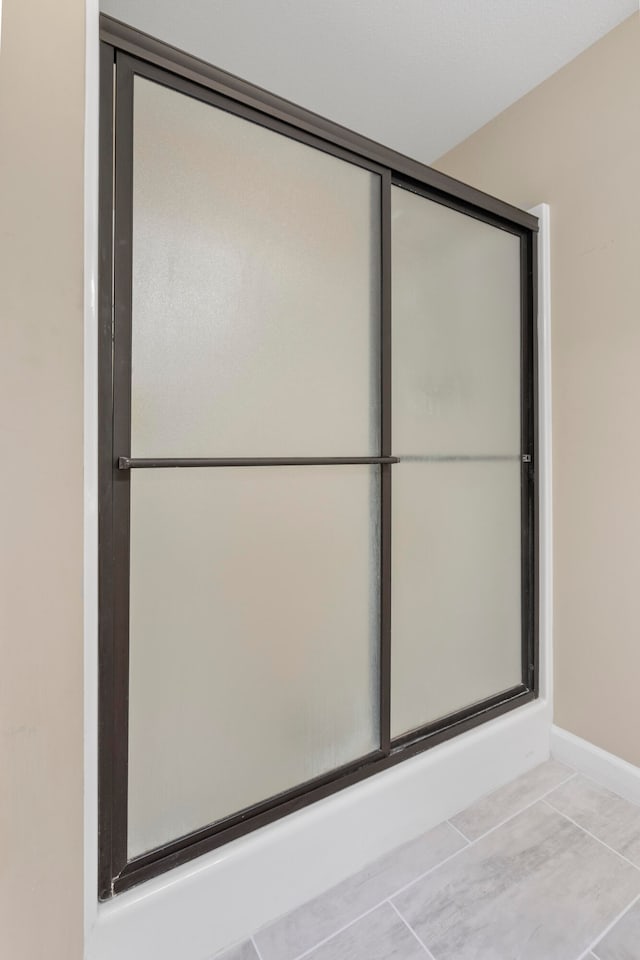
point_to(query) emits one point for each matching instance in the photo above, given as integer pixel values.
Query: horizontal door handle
(136, 463)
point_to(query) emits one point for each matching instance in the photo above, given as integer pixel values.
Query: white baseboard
(600, 765)
(220, 898)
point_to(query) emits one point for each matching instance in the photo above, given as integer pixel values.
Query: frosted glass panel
(255, 289)
(456, 586)
(254, 637)
(456, 332)
(456, 621)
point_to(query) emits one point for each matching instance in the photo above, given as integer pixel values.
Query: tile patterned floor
(546, 868)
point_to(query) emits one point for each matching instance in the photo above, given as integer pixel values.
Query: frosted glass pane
(255, 289)
(254, 636)
(456, 332)
(456, 622)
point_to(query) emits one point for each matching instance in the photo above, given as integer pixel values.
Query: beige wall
(574, 142)
(41, 276)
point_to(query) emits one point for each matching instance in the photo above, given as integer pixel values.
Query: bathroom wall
(41, 503)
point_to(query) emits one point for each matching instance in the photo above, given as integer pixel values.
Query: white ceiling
(417, 75)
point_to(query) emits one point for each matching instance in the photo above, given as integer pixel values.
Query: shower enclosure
(317, 458)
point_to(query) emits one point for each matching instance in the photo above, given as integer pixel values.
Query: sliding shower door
(253, 628)
(456, 575)
(317, 502)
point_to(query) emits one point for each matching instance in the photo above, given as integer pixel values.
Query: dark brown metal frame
(125, 53)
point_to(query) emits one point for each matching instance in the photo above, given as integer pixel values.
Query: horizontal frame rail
(138, 44)
(183, 849)
(145, 463)
(465, 458)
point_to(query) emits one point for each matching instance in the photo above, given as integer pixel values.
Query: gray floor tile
(245, 951)
(538, 888)
(510, 799)
(314, 921)
(380, 935)
(623, 941)
(604, 814)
